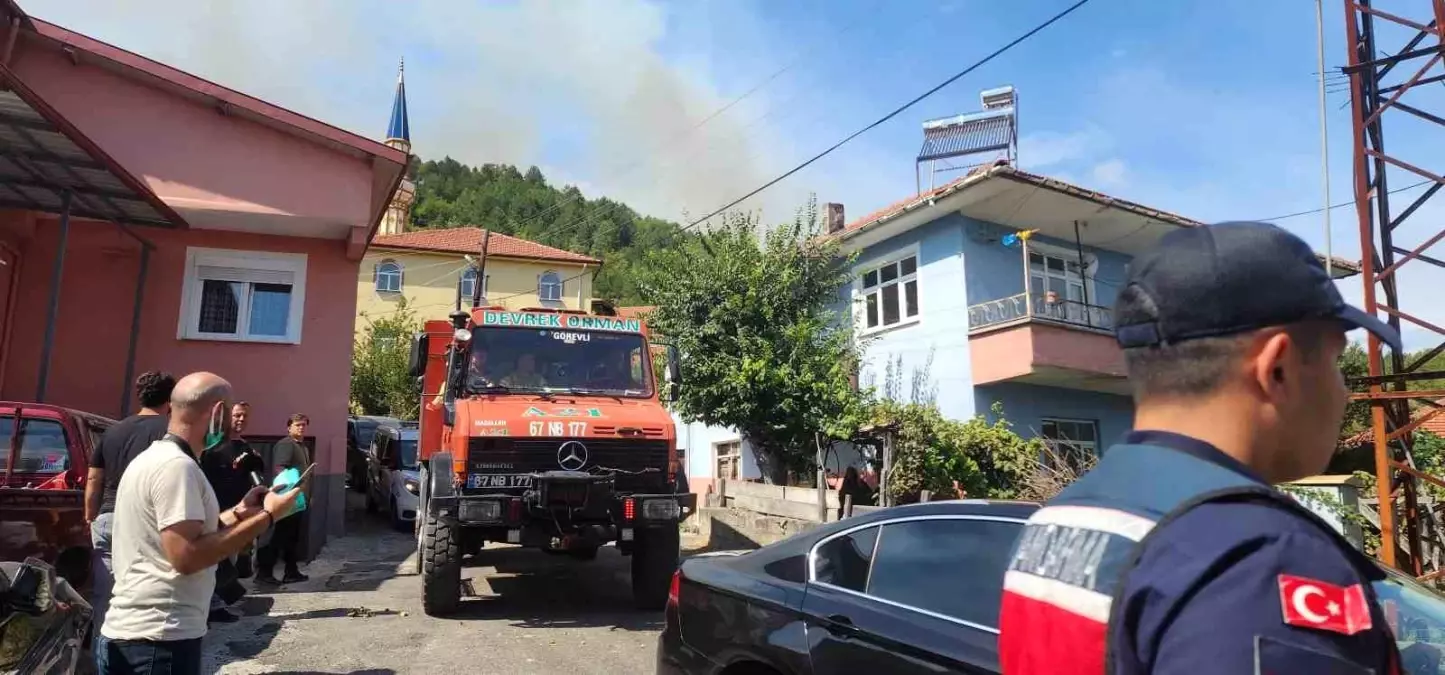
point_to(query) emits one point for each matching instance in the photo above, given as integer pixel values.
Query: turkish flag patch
(1309, 603)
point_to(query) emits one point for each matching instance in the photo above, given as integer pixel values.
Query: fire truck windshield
(533, 360)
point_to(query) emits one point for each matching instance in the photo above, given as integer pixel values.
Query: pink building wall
(196, 158)
(1014, 352)
(243, 174)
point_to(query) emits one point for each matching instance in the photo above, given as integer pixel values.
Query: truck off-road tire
(441, 568)
(654, 560)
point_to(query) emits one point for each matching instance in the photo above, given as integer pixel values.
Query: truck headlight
(661, 509)
(411, 486)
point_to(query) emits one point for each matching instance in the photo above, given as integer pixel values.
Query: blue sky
(1203, 108)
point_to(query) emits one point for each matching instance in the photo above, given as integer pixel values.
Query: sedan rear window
(843, 561)
(952, 567)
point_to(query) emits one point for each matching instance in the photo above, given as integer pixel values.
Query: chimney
(834, 215)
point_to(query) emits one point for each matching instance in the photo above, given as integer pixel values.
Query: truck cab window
(43, 447)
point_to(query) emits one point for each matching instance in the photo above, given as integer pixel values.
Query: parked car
(359, 430)
(43, 461)
(392, 475)
(910, 589)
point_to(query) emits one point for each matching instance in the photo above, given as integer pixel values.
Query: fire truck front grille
(638, 465)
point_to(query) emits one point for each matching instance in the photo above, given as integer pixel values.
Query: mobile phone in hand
(286, 487)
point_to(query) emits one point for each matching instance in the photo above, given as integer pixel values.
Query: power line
(629, 168)
(1341, 204)
(893, 114)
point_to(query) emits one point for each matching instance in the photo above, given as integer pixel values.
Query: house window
(1070, 440)
(248, 296)
(468, 283)
(890, 293)
(729, 460)
(388, 277)
(549, 287)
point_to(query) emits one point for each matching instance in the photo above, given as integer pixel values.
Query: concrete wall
(940, 334)
(429, 283)
(1025, 405)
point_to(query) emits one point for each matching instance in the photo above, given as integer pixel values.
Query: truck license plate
(499, 480)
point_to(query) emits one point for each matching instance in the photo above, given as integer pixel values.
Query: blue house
(994, 289)
(998, 288)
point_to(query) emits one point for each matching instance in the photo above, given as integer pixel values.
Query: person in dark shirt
(228, 468)
(288, 453)
(252, 469)
(118, 446)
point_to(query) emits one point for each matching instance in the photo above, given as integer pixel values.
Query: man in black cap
(1175, 554)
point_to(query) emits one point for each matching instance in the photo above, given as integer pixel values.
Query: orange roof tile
(1434, 425)
(468, 240)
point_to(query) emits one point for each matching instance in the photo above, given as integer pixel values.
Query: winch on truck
(544, 428)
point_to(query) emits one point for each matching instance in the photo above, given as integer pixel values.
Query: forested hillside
(504, 199)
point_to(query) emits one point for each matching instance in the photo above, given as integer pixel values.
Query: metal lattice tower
(1391, 56)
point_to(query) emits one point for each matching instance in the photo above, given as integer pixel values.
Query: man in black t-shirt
(118, 446)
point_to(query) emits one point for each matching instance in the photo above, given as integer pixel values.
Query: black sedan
(911, 589)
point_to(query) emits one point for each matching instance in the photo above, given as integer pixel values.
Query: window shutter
(245, 275)
(375, 272)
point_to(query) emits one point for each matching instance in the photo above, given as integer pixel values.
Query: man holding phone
(288, 453)
(169, 535)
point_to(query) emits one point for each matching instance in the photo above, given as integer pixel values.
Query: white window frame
(860, 297)
(400, 276)
(188, 327)
(560, 285)
(1068, 256)
(1091, 447)
(467, 293)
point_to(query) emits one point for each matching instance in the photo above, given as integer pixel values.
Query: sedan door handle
(841, 625)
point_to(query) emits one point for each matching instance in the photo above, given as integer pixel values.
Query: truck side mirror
(417, 359)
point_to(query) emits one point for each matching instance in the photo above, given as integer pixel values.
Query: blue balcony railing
(1041, 307)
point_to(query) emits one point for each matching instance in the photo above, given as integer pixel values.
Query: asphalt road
(527, 612)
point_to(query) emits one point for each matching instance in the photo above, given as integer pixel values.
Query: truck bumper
(566, 509)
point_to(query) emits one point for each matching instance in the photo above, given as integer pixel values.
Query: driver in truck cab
(525, 374)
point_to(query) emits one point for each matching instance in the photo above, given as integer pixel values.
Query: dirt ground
(360, 612)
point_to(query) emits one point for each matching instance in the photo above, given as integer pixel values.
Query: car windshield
(548, 360)
(406, 454)
(1416, 613)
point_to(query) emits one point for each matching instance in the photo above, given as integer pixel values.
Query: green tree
(381, 382)
(506, 200)
(932, 452)
(753, 319)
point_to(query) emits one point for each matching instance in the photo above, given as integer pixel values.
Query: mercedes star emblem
(572, 456)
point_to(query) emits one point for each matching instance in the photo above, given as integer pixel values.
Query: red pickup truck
(43, 462)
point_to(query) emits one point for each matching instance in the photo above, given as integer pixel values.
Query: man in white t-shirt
(169, 533)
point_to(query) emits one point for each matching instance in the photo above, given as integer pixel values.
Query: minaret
(398, 135)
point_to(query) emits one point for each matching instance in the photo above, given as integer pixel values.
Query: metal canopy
(39, 164)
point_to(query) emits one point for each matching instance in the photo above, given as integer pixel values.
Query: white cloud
(1041, 150)
(1110, 174)
(486, 83)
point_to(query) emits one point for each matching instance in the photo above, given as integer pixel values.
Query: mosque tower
(398, 135)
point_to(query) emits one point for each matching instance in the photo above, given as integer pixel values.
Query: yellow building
(428, 267)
